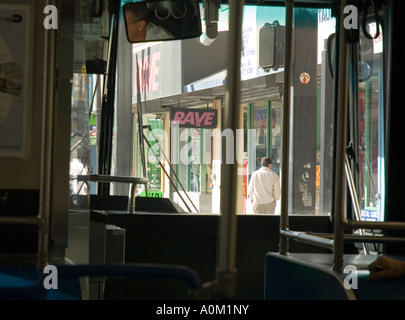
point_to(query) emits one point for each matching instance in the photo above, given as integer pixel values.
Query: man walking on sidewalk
(264, 188)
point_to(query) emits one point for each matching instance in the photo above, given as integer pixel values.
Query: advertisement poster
(15, 93)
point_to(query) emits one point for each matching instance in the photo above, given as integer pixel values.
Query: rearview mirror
(162, 20)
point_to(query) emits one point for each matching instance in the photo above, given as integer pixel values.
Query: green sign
(152, 194)
(93, 129)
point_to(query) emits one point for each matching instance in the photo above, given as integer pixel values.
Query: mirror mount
(211, 17)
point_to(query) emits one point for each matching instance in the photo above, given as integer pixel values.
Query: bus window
(370, 130)
(311, 115)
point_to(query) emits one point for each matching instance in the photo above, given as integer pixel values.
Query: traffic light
(271, 46)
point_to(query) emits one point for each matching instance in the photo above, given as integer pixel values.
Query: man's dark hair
(139, 11)
(265, 161)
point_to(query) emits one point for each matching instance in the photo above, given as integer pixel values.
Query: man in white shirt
(154, 32)
(264, 188)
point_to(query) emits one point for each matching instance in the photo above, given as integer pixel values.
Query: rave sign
(193, 118)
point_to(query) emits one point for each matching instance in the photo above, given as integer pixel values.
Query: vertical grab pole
(107, 107)
(140, 122)
(355, 199)
(341, 137)
(284, 224)
(226, 271)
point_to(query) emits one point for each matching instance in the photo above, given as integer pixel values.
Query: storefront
(184, 123)
(186, 75)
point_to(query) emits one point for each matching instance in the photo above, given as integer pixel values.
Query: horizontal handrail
(377, 239)
(374, 224)
(107, 178)
(327, 241)
(21, 220)
(135, 271)
(370, 238)
(133, 181)
(307, 238)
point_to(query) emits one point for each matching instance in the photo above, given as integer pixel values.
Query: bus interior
(115, 180)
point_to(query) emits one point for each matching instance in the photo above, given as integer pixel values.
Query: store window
(262, 123)
(189, 164)
(192, 155)
(262, 126)
(195, 165)
(155, 156)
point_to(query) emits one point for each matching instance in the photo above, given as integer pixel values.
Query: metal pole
(376, 224)
(133, 181)
(284, 224)
(140, 122)
(307, 238)
(107, 109)
(226, 272)
(355, 199)
(341, 137)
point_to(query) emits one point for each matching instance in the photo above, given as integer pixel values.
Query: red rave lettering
(149, 72)
(194, 118)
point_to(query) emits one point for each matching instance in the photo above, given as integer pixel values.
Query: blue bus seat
(289, 278)
(26, 282)
(310, 276)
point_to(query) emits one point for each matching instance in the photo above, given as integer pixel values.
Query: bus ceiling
(163, 20)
